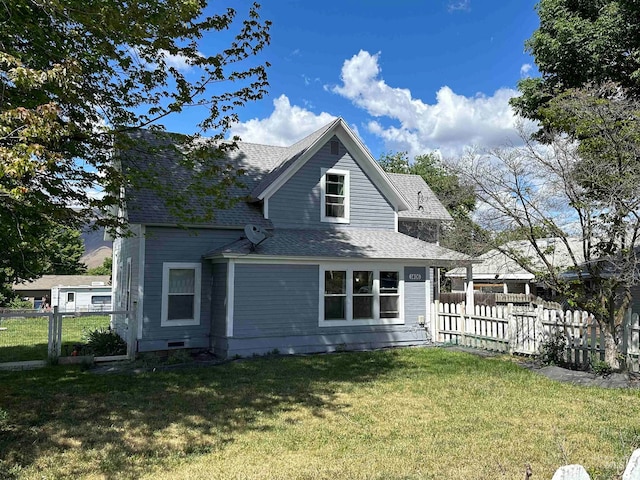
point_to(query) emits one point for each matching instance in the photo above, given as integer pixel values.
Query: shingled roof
(341, 243)
(263, 166)
(424, 205)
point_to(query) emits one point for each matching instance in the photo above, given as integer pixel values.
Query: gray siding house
(334, 270)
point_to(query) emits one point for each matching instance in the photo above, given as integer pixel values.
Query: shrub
(552, 351)
(19, 304)
(600, 367)
(104, 341)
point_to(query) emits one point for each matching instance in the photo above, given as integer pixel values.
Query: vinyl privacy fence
(523, 330)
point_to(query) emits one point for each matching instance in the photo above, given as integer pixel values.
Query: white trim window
(181, 285)
(335, 196)
(361, 295)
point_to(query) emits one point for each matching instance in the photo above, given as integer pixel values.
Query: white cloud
(179, 62)
(459, 5)
(286, 125)
(449, 125)
(525, 69)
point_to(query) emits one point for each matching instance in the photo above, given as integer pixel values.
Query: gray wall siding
(415, 301)
(297, 203)
(276, 307)
(178, 245)
(275, 299)
(124, 248)
(219, 307)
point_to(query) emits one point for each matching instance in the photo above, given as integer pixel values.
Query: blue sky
(407, 75)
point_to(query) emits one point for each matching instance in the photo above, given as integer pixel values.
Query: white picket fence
(523, 330)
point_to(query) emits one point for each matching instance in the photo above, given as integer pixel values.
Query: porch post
(470, 306)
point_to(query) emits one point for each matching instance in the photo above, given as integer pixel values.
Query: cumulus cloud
(525, 69)
(451, 123)
(286, 125)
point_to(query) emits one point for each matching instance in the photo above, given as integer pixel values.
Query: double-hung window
(335, 196)
(180, 294)
(358, 296)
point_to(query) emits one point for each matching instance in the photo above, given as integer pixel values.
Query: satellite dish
(255, 234)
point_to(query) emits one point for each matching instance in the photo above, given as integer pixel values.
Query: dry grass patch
(395, 414)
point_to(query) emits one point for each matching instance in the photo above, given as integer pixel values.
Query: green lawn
(393, 414)
(26, 338)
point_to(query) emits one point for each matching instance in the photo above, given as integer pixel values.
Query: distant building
(68, 292)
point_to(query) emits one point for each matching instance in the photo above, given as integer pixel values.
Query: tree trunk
(611, 355)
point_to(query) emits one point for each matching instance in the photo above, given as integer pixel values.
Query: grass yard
(26, 338)
(392, 414)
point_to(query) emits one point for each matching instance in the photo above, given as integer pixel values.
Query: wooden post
(435, 320)
(461, 327)
(469, 293)
(513, 329)
(54, 348)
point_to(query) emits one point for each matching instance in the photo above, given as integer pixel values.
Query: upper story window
(335, 196)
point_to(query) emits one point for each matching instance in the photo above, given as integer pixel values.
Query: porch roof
(341, 244)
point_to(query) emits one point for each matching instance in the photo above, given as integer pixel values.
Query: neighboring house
(320, 266)
(499, 273)
(68, 292)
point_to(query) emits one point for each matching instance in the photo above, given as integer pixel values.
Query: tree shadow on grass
(122, 425)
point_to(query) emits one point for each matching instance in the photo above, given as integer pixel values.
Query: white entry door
(70, 303)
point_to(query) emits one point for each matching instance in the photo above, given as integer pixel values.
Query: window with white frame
(360, 296)
(335, 196)
(181, 294)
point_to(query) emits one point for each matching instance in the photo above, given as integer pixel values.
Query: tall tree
(79, 78)
(459, 200)
(39, 249)
(581, 43)
(586, 100)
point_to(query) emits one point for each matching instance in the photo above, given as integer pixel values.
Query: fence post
(513, 327)
(462, 327)
(55, 334)
(626, 336)
(435, 320)
(132, 330)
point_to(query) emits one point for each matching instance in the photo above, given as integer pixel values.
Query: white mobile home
(82, 298)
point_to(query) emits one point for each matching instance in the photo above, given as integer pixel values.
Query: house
(68, 292)
(498, 272)
(312, 258)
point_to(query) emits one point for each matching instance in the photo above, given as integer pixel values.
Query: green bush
(20, 304)
(104, 341)
(600, 367)
(552, 351)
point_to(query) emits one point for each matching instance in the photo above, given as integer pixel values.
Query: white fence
(523, 330)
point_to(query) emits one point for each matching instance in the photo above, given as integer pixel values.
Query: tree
(39, 249)
(586, 196)
(79, 79)
(586, 102)
(104, 269)
(63, 247)
(459, 200)
(581, 43)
